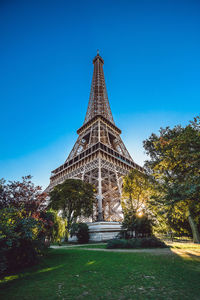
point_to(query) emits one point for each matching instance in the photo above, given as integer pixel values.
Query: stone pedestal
(102, 231)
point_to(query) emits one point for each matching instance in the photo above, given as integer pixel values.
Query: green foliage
(25, 225)
(136, 192)
(175, 173)
(151, 242)
(134, 225)
(54, 226)
(75, 198)
(21, 240)
(81, 231)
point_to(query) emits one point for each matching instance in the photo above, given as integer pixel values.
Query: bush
(21, 240)
(81, 231)
(151, 242)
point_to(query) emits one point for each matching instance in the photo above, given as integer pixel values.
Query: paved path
(76, 245)
(161, 251)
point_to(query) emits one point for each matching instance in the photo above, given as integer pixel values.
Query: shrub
(81, 231)
(151, 242)
(21, 240)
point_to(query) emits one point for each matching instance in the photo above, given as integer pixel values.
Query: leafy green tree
(136, 192)
(136, 225)
(74, 198)
(169, 219)
(174, 167)
(25, 225)
(54, 226)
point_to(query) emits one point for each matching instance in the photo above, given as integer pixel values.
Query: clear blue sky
(151, 51)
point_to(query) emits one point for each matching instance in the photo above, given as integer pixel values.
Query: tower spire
(98, 101)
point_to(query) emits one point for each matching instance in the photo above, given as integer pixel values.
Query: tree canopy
(54, 226)
(23, 195)
(136, 192)
(174, 167)
(26, 227)
(74, 198)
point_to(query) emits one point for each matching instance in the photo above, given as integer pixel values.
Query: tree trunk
(69, 223)
(193, 225)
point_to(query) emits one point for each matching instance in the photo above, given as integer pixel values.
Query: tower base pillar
(103, 231)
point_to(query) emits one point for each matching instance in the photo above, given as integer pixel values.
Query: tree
(74, 198)
(136, 192)
(23, 195)
(29, 199)
(3, 198)
(137, 225)
(25, 225)
(174, 167)
(168, 218)
(54, 226)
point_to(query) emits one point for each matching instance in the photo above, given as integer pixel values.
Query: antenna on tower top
(97, 51)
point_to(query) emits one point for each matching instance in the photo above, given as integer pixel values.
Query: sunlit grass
(9, 278)
(178, 245)
(82, 274)
(20, 275)
(91, 262)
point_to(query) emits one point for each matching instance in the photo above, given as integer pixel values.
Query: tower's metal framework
(99, 156)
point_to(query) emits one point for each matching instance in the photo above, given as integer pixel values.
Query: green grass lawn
(81, 274)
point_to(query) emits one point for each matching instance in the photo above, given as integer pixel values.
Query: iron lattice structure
(99, 155)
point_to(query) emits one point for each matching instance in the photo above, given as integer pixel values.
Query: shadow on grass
(51, 261)
(76, 274)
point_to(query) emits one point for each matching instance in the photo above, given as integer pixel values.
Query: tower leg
(99, 196)
(100, 214)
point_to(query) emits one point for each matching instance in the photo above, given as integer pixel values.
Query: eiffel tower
(99, 155)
